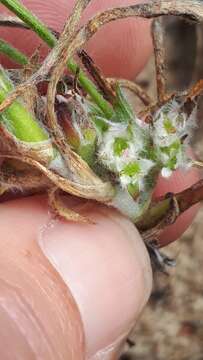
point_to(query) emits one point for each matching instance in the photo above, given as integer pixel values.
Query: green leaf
(123, 110)
(131, 169)
(119, 145)
(17, 118)
(133, 190)
(87, 153)
(168, 126)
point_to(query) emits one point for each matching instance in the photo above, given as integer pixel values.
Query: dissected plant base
(78, 135)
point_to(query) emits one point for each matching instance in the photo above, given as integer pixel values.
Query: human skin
(71, 291)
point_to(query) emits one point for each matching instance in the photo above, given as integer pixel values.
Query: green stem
(154, 215)
(45, 34)
(89, 87)
(17, 118)
(13, 53)
(25, 15)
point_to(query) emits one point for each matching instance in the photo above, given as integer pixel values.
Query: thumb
(68, 290)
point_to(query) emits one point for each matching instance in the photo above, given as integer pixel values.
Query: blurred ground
(172, 324)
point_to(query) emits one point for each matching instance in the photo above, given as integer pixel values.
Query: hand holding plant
(76, 239)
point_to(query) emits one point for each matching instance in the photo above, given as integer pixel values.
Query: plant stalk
(13, 53)
(17, 118)
(157, 211)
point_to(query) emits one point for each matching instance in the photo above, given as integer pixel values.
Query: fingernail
(107, 269)
(111, 352)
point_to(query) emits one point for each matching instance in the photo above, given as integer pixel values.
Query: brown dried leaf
(134, 88)
(59, 209)
(102, 192)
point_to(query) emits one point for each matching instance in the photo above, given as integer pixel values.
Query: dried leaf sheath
(74, 162)
(59, 209)
(134, 88)
(158, 42)
(102, 193)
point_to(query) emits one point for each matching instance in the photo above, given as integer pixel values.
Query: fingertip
(105, 266)
(176, 230)
(179, 181)
(40, 317)
(108, 271)
(121, 48)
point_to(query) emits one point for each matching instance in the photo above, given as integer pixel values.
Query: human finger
(54, 267)
(120, 48)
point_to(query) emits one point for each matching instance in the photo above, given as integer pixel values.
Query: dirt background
(172, 324)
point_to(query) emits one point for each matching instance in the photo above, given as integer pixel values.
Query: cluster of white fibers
(122, 150)
(170, 128)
